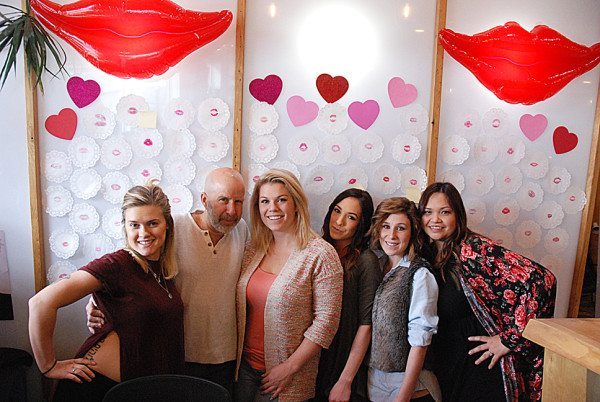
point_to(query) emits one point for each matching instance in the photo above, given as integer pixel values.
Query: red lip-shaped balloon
(520, 66)
(132, 38)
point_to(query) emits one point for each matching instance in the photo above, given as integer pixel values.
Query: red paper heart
(267, 90)
(563, 140)
(63, 124)
(332, 88)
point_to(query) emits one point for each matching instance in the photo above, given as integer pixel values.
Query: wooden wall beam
(240, 38)
(436, 92)
(587, 215)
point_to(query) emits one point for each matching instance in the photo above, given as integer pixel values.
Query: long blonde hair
(261, 235)
(151, 194)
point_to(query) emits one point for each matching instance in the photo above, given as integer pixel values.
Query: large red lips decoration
(520, 66)
(132, 38)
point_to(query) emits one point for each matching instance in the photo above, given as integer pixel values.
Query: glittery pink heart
(82, 92)
(364, 114)
(301, 112)
(401, 94)
(533, 126)
(267, 89)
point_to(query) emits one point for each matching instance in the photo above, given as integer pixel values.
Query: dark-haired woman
(487, 295)
(342, 375)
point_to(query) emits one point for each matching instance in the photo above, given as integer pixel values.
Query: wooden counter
(571, 357)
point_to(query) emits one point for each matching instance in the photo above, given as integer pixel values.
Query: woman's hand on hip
(77, 370)
(340, 391)
(491, 347)
(276, 379)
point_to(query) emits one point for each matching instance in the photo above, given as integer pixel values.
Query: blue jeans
(247, 387)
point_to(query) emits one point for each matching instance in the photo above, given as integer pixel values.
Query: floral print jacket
(506, 290)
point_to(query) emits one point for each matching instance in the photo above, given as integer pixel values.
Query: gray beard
(213, 221)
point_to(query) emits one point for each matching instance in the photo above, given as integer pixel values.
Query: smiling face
(146, 230)
(345, 218)
(223, 200)
(394, 236)
(438, 219)
(277, 208)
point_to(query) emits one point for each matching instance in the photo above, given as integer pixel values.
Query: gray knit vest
(389, 346)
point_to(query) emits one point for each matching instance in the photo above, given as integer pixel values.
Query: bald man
(209, 247)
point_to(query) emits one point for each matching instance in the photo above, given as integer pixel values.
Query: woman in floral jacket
(487, 294)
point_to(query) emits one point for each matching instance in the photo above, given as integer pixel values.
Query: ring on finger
(491, 354)
(73, 370)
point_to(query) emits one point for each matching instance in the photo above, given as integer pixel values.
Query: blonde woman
(134, 288)
(288, 296)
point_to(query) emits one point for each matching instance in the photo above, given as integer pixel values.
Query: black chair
(167, 387)
(13, 374)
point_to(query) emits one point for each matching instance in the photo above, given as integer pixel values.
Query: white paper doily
(287, 165)
(84, 218)
(368, 147)
(85, 183)
(179, 114)
(263, 118)
(57, 166)
(509, 179)
(115, 153)
(506, 211)
(476, 211)
(454, 177)
(557, 180)
(535, 165)
(468, 123)
(553, 263)
(353, 176)
(129, 108)
(180, 171)
(530, 196)
(414, 119)
(502, 236)
(146, 142)
(96, 245)
(303, 150)
(495, 122)
(180, 198)
(58, 201)
(318, 180)
(83, 151)
(556, 240)
(406, 149)
(98, 121)
(336, 149)
(60, 270)
(528, 234)
(332, 118)
(485, 149)
(549, 214)
(413, 177)
(114, 187)
(112, 223)
(263, 148)
(179, 144)
(64, 243)
(573, 200)
(512, 149)
(143, 170)
(480, 181)
(253, 173)
(386, 179)
(213, 114)
(454, 150)
(212, 147)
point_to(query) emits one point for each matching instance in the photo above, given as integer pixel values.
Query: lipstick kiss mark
(115, 187)
(386, 179)
(84, 217)
(572, 198)
(303, 147)
(369, 146)
(506, 210)
(468, 124)
(148, 142)
(100, 120)
(318, 178)
(214, 112)
(549, 216)
(528, 233)
(83, 150)
(145, 173)
(335, 148)
(407, 148)
(555, 239)
(57, 199)
(531, 194)
(132, 110)
(557, 180)
(413, 182)
(116, 152)
(176, 200)
(65, 244)
(179, 112)
(351, 181)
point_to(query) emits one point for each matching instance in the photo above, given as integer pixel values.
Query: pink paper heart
(266, 90)
(364, 114)
(82, 92)
(300, 111)
(533, 126)
(401, 94)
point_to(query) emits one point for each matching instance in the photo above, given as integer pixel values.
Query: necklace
(160, 279)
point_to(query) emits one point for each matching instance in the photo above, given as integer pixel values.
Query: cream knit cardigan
(304, 302)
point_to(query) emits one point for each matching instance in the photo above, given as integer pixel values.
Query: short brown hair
(391, 206)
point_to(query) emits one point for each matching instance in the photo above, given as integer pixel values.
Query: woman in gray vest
(404, 310)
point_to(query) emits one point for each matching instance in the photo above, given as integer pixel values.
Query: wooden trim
(240, 36)
(436, 92)
(35, 189)
(587, 216)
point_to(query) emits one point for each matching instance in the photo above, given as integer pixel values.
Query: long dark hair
(451, 245)
(359, 240)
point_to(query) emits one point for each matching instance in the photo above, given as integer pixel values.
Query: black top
(357, 304)
(460, 379)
